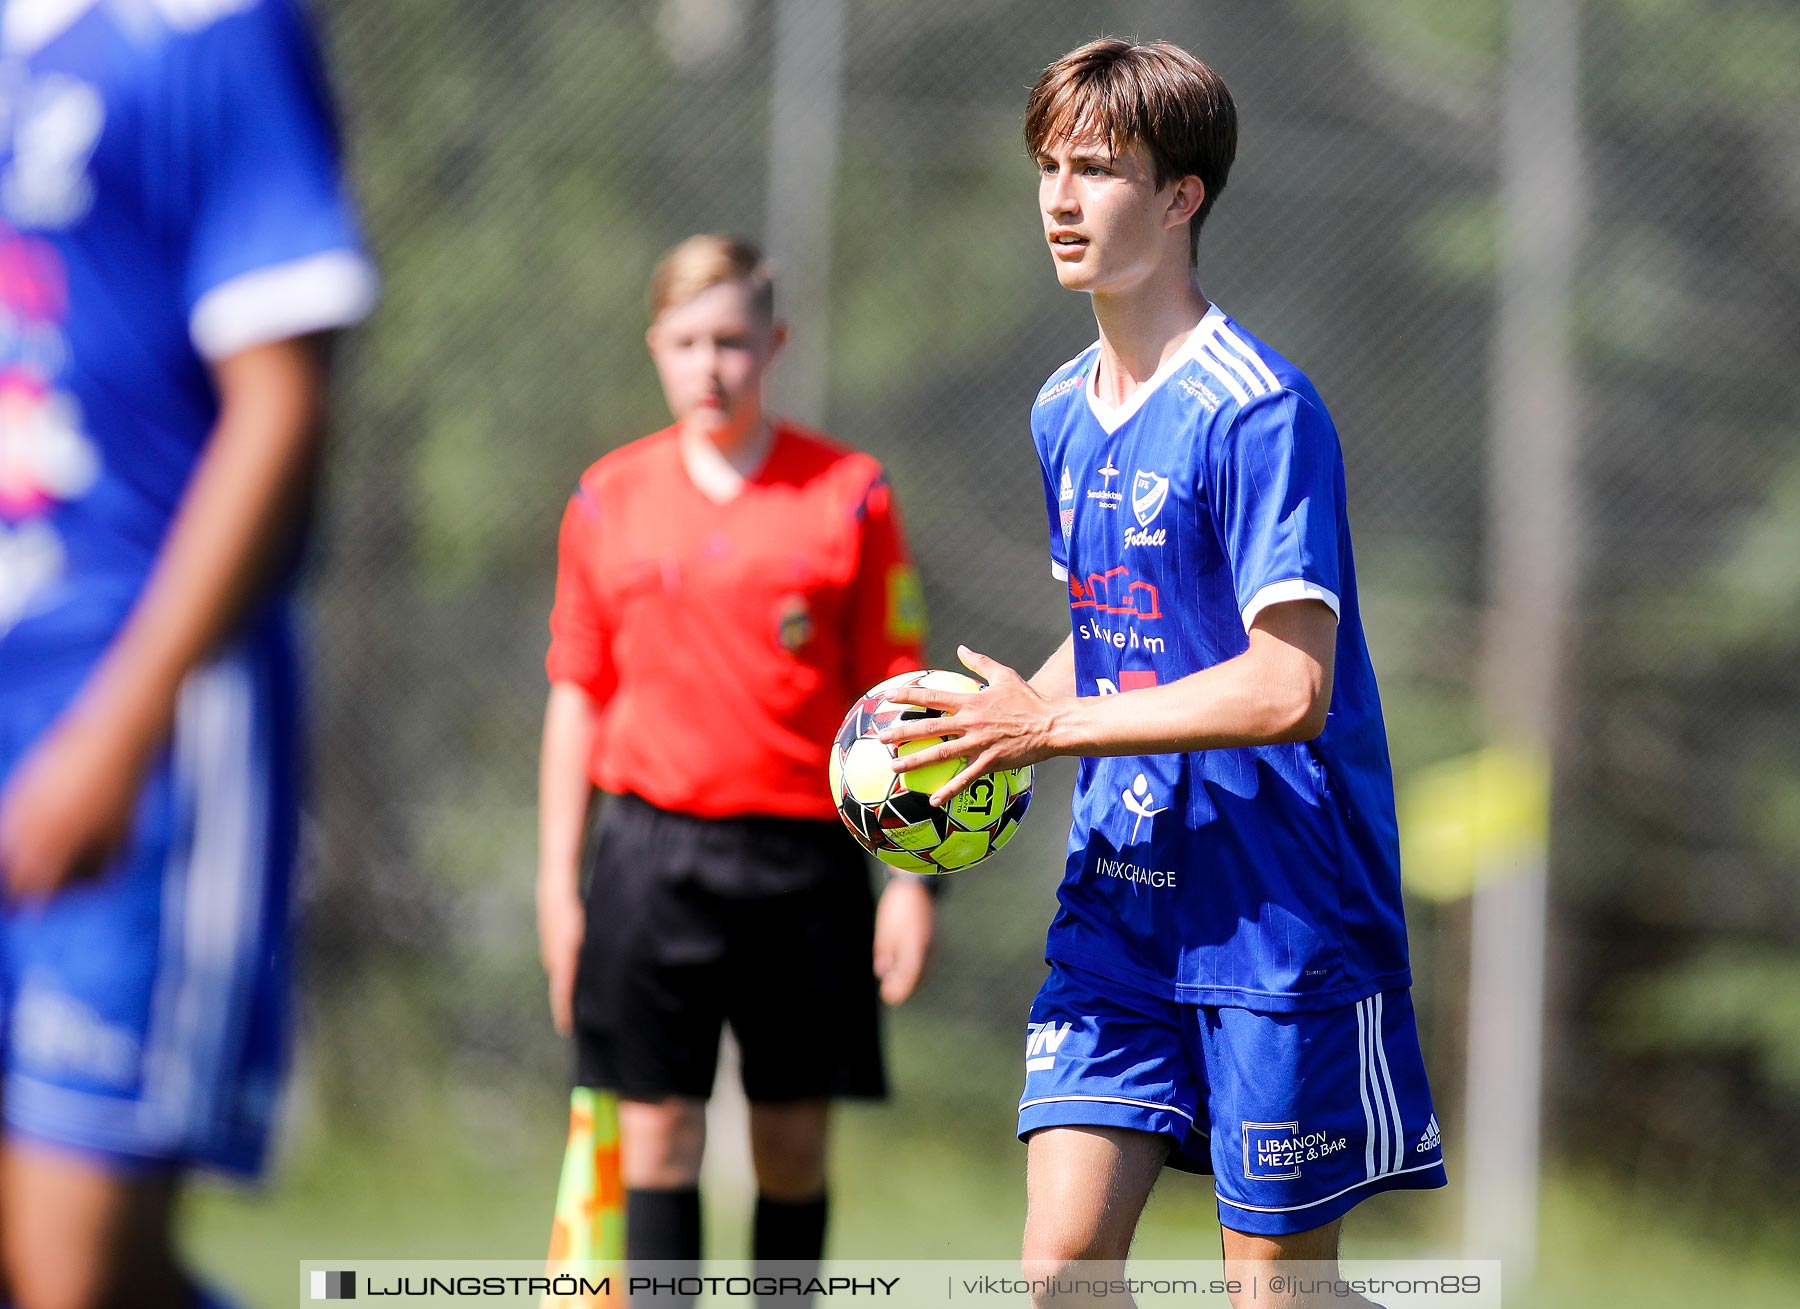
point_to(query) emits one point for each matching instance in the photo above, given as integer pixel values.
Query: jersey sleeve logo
(793, 623)
(1202, 392)
(1061, 388)
(906, 605)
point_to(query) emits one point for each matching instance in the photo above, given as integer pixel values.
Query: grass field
(915, 1180)
(372, 1200)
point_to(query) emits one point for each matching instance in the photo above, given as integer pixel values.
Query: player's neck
(1140, 330)
(721, 470)
(743, 444)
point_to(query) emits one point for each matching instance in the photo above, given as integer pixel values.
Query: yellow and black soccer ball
(891, 815)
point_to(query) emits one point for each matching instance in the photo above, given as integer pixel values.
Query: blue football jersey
(1262, 877)
(170, 194)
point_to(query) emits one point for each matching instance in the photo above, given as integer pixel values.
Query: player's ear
(1184, 201)
(778, 338)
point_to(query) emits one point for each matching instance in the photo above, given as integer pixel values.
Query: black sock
(663, 1226)
(787, 1241)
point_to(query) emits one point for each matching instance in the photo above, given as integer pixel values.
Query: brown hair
(703, 262)
(1158, 94)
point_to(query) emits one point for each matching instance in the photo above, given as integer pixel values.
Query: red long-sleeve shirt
(726, 640)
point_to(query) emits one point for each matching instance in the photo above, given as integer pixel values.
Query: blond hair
(703, 262)
(1158, 94)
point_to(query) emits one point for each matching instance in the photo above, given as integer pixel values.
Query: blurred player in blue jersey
(174, 235)
(1228, 988)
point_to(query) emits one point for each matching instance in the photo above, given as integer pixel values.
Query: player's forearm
(1274, 692)
(1216, 709)
(1056, 679)
(235, 523)
(565, 790)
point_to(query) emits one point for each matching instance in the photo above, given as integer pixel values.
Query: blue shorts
(143, 1014)
(1298, 1116)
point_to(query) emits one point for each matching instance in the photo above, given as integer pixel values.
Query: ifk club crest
(1148, 492)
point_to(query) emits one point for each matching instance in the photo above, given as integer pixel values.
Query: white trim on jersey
(1213, 361)
(1104, 1099)
(1112, 419)
(315, 294)
(30, 25)
(1294, 588)
(1239, 349)
(191, 15)
(1325, 1199)
(1059, 571)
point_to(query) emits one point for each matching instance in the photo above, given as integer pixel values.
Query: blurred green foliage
(521, 167)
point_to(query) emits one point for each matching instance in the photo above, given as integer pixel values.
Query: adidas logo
(1431, 1140)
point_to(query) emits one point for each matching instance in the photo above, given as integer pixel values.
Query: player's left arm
(1278, 690)
(69, 805)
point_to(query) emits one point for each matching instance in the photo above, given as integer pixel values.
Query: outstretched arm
(1277, 690)
(68, 806)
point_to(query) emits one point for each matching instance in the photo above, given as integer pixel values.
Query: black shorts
(764, 923)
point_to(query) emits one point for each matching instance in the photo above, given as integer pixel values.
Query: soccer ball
(890, 814)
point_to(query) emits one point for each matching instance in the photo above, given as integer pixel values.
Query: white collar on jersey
(718, 476)
(30, 25)
(1111, 418)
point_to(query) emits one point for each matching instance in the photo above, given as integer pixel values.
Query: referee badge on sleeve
(906, 604)
(793, 622)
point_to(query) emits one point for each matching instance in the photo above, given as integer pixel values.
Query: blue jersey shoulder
(1238, 382)
(1064, 385)
(1230, 371)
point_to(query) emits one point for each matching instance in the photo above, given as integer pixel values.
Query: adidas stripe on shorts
(144, 1012)
(1298, 1116)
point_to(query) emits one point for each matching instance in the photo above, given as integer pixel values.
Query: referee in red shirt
(725, 588)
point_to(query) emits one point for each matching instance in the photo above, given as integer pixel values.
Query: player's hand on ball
(1006, 724)
(905, 922)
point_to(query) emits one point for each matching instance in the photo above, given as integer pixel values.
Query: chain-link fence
(521, 166)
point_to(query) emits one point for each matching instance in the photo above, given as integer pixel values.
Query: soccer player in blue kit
(174, 235)
(1228, 987)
